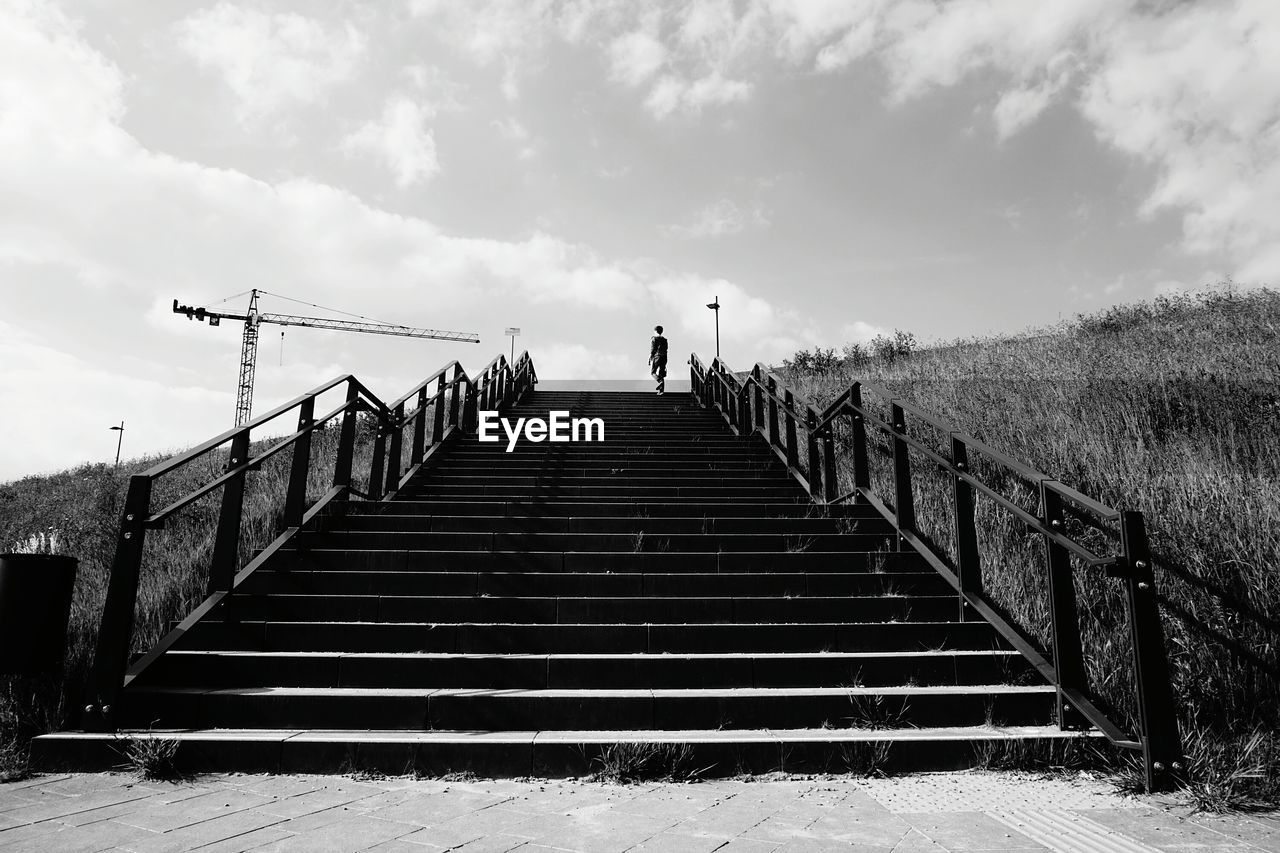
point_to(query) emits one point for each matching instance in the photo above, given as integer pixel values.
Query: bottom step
(551, 754)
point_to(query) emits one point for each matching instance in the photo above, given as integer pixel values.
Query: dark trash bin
(35, 601)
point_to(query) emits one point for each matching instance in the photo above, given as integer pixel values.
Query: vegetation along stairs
(668, 598)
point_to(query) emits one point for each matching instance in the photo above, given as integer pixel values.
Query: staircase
(524, 613)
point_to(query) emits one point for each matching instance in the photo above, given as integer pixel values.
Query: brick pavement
(928, 813)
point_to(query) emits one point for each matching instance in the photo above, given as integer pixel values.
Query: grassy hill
(82, 507)
(1170, 407)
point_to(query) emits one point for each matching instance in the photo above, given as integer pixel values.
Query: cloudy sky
(585, 169)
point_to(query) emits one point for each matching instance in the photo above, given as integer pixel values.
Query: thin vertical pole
(1161, 742)
(789, 400)
(115, 635)
(904, 501)
(772, 385)
(226, 543)
(419, 428)
(296, 499)
(815, 459)
(829, 485)
(858, 426)
(1068, 652)
(437, 428)
(395, 454)
(346, 438)
(968, 563)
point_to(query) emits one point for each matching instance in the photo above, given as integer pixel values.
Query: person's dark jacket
(658, 353)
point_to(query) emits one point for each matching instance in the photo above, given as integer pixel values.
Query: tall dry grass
(1170, 407)
(84, 507)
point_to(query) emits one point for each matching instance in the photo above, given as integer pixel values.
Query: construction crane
(253, 318)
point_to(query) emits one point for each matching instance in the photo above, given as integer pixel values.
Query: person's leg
(662, 379)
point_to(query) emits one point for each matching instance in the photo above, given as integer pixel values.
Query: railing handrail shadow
(761, 403)
(453, 403)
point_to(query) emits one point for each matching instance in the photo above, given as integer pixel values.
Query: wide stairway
(525, 613)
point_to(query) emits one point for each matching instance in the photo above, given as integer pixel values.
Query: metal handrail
(761, 404)
(452, 399)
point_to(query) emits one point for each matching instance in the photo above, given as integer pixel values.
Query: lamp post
(715, 306)
(119, 440)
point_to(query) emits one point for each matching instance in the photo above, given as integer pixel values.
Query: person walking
(658, 359)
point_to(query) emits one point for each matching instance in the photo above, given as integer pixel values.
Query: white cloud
(400, 139)
(575, 361)
(719, 219)
(635, 57)
(861, 332)
(271, 61)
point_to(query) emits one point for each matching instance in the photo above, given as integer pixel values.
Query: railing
(760, 402)
(449, 395)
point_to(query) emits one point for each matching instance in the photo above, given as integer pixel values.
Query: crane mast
(253, 318)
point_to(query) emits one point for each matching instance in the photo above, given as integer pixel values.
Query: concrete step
(417, 523)
(533, 638)
(481, 709)
(799, 507)
(648, 562)
(387, 538)
(559, 753)
(222, 669)
(335, 582)
(591, 610)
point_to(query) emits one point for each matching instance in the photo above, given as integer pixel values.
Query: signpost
(513, 331)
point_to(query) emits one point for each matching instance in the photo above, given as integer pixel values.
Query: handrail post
(394, 455)
(437, 428)
(454, 392)
(419, 429)
(968, 561)
(904, 508)
(772, 385)
(377, 465)
(1161, 742)
(1068, 652)
(793, 457)
(858, 427)
(296, 498)
(744, 411)
(226, 543)
(815, 460)
(830, 488)
(759, 398)
(346, 439)
(115, 634)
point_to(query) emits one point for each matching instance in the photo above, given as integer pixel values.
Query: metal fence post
(815, 459)
(346, 439)
(226, 543)
(454, 393)
(968, 562)
(377, 465)
(1161, 742)
(115, 634)
(419, 429)
(1068, 652)
(296, 499)
(904, 506)
(772, 385)
(758, 398)
(789, 400)
(437, 428)
(858, 428)
(830, 488)
(395, 457)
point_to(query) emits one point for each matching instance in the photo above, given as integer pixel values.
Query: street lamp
(715, 306)
(119, 441)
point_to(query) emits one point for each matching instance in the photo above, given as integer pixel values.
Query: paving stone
(214, 804)
(664, 842)
(249, 841)
(969, 831)
(400, 845)
(357, 833)
(428, 810)
(213, 831)
(747, 845)
(303, 803)
(1166, 831)
(493, 844)
(1263, 833)
(52, 806)
(54, 836)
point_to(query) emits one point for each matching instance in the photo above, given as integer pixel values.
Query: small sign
(514, 330)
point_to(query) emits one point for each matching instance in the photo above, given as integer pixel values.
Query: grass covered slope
(1170, 407)
(82, 508)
